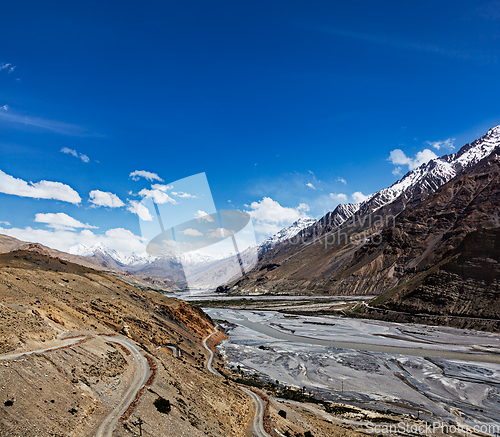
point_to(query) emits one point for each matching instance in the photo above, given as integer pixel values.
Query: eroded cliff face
(370, 255)
(463, 290)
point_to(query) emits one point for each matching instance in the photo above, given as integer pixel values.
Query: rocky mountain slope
(82, 314)
(373, 252)
(462, 290)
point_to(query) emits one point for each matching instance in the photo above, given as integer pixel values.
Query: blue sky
(288, 107)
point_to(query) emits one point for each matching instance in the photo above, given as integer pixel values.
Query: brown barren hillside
(91, 322)
(463, 290)
(8, 244)
(83, 353)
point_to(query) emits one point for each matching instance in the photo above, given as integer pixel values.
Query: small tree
(162, 405)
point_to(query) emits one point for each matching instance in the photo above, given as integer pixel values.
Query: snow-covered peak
(471, 154)
(82, 250)
(494, 131)
(101, 251)
(286, 233)
(419, 182)
(199, 257)
(341, 213)
(438, 171)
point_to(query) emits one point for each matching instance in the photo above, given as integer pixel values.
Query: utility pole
(139, 423)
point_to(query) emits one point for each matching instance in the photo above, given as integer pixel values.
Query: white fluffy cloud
(184, 195)
(61, 221)
(5, 223)
(339, 179)
(138, 208)
(202, 215)
(67, 240)
(310, 185)
(9, 67)
(398, 157)
(121, 240)
(358, 197)
(446, 144)
(136, 175)
(83, 157)
(191, 232)
(158, 195)
(339, 197)
(105, 198)
(269, 216)
(38, 190)
(161, 187)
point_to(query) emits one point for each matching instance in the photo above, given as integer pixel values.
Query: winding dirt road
(258, 420)
(63, 343)
(211, 358)
(141, 376)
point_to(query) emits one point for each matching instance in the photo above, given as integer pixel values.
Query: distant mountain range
(203, 270)
(111, 255)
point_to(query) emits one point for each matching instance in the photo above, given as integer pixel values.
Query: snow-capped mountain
(414, 228)
(100, 251)
(415, 185)
(137, 261)
(200, 258)
(410, 190)
(285, 234)
(339, 215)
(430, 176)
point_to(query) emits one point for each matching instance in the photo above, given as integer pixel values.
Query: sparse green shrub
(383, 420)
(162, 405)
(339, 409)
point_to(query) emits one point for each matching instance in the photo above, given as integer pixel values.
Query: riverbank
(441, 374)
